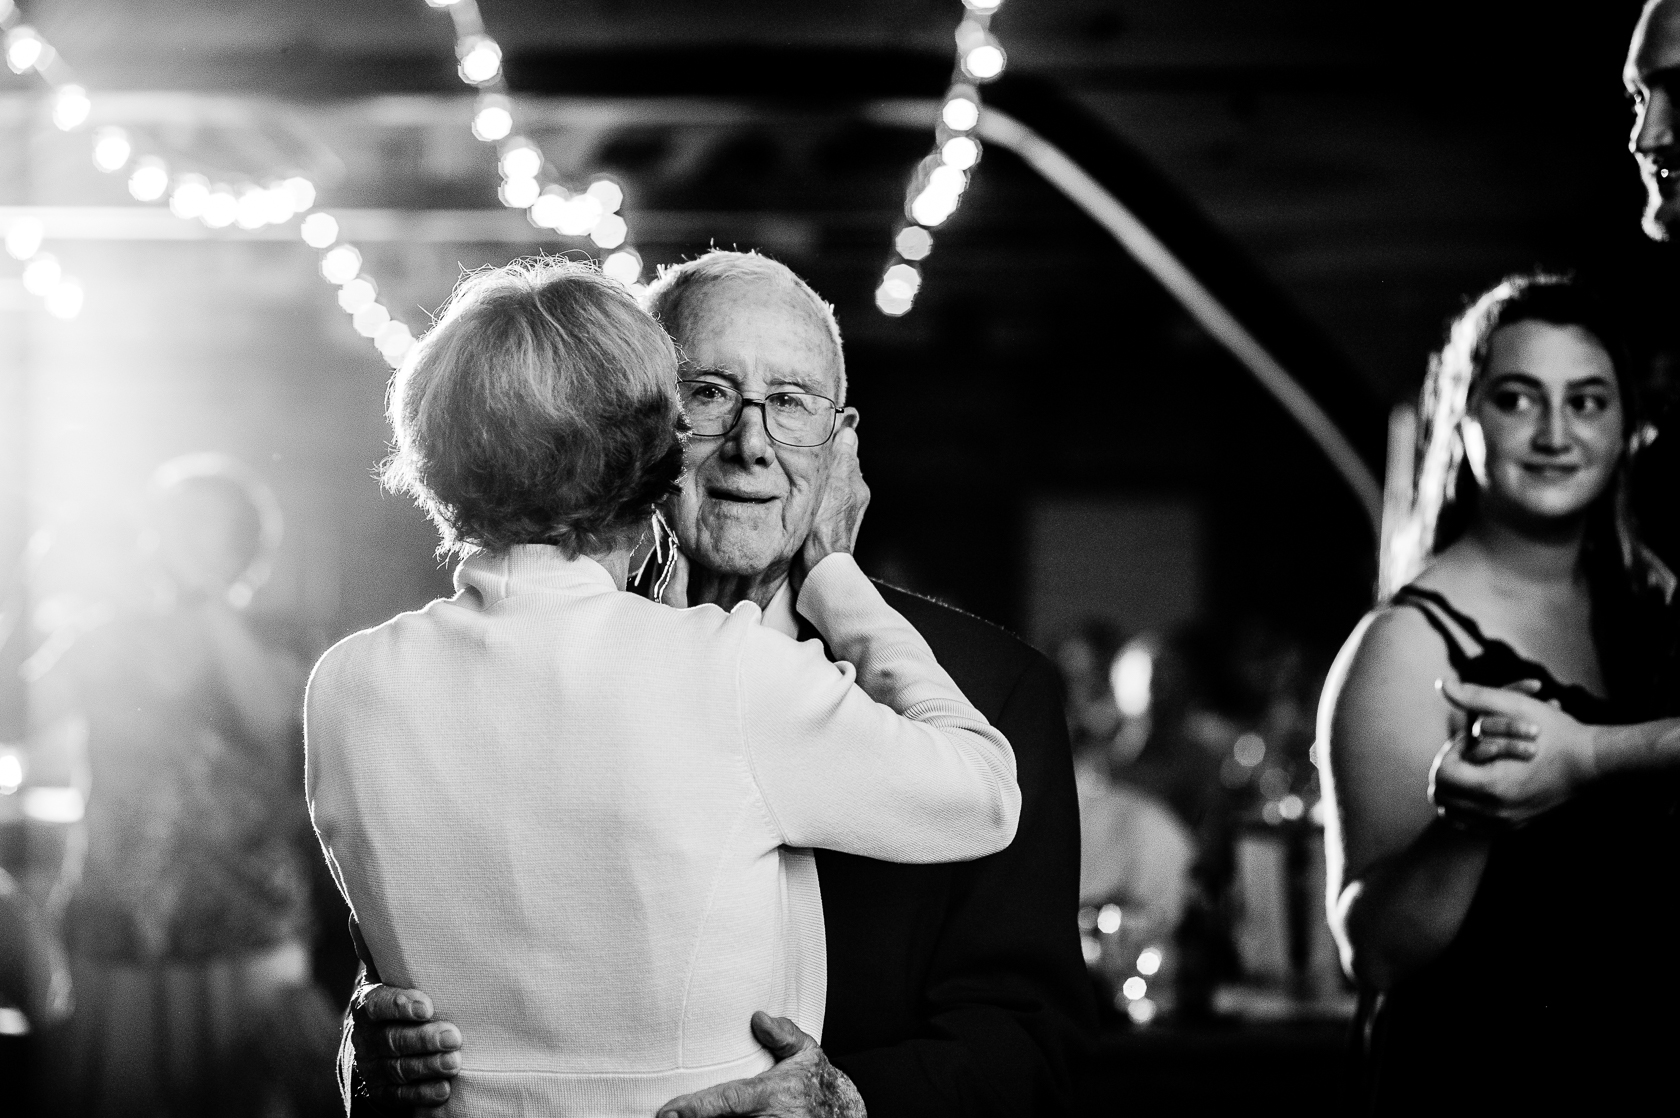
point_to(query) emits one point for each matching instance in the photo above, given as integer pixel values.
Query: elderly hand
(844, 500)
(1517, 759)
(402, 1054)
(803, 1084)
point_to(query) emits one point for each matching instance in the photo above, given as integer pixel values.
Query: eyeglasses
(791, 418)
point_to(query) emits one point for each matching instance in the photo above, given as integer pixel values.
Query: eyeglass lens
(794, 418)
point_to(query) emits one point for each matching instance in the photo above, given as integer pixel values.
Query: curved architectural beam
(1147, 249)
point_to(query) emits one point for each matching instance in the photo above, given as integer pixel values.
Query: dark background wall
(1376, 163)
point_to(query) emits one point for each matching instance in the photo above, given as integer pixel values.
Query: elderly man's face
(1652, 75)
(748, 502)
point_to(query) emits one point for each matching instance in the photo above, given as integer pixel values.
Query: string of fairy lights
(249, 202)
(529, 180)
(939, 180)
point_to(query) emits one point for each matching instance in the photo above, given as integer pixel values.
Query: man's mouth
(740, 498)
(1552, 471)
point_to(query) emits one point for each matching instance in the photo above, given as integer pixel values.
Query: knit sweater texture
(581, 820)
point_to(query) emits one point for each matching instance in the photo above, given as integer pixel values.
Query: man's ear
(849, 417)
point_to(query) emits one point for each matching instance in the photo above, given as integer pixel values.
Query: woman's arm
(879, 754)
(1401, 879)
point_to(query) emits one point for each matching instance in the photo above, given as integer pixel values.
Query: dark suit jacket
(959, 989)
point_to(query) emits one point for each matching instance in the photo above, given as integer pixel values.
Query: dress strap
(1451, 625)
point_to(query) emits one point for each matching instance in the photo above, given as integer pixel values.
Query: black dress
(1559, 990)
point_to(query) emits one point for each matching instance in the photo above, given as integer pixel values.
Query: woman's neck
(1542, 555)
(617, 563)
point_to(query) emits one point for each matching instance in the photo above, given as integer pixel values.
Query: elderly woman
(612, 792)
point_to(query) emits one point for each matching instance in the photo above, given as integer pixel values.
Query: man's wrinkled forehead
(1656, 42)
(740, 313)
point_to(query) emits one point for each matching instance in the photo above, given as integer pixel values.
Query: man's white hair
(677, 282)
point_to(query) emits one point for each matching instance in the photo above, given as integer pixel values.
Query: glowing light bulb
(481, 60)
(150, 179)
(518, 194)
(960, 114)
(370, 319)
(902, 278)
(1149, 961)
(301, 192)
(913, 242)
(220, 207)
(24, 237)
(608, 193)
(277, 204)
(42, 274)
(111, 149)
(578, 215)
(319, 230)
(960, 152)
(357, 294)
(984, 62)
(70, 106)
(520, 160)
(25, 50)
(546, 210)
(65, 299)
(394, 341)
(610, 231)
(493, 119)
(1131, 678)
(190, 196)
(341, 264)
(891, 304)
(625, 266)
(932, 207)
(251, 209)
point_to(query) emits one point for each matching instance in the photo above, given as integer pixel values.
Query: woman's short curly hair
(541, 408)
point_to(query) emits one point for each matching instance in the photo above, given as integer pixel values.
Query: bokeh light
(341, 264)
(319, 230)
(220, 208)
(70, 106)
(149, 180)
(24, 237)
(961, 152)
(913, 242)
(64, 301)
(625, 266)
(493, 118)
(42, 274)
(960, 114)
(111, 149)
(190, 196)
(481, 60)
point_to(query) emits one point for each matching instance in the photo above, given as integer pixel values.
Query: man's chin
(1662, 218)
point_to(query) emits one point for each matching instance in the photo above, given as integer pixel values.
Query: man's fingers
(1525, 686)
(435, 1093)
(780, 1036)
(387, 1041)
(386, 1004)
(411, 1070)
(737, 1097)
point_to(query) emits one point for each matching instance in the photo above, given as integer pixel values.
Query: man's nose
(1653, 127)
(749, 440)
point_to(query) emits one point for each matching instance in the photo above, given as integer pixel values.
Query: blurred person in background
(1513, 940)
(187, 919)
(955, 989)
(1134, 851)
(33, 975)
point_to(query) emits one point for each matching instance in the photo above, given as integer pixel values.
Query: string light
(527, 180)
(192, 196)
(71, 106)
(937, 186)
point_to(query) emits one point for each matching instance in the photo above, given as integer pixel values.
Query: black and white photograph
(848, 559)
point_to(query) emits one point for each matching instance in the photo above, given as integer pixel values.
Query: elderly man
(953, 989)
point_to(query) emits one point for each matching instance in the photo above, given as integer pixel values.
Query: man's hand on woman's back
(402, 1055)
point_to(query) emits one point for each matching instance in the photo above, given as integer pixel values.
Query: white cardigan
(572, 816)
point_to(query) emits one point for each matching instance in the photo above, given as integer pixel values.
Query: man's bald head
(1652, 76)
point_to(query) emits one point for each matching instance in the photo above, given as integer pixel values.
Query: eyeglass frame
(745, 400)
